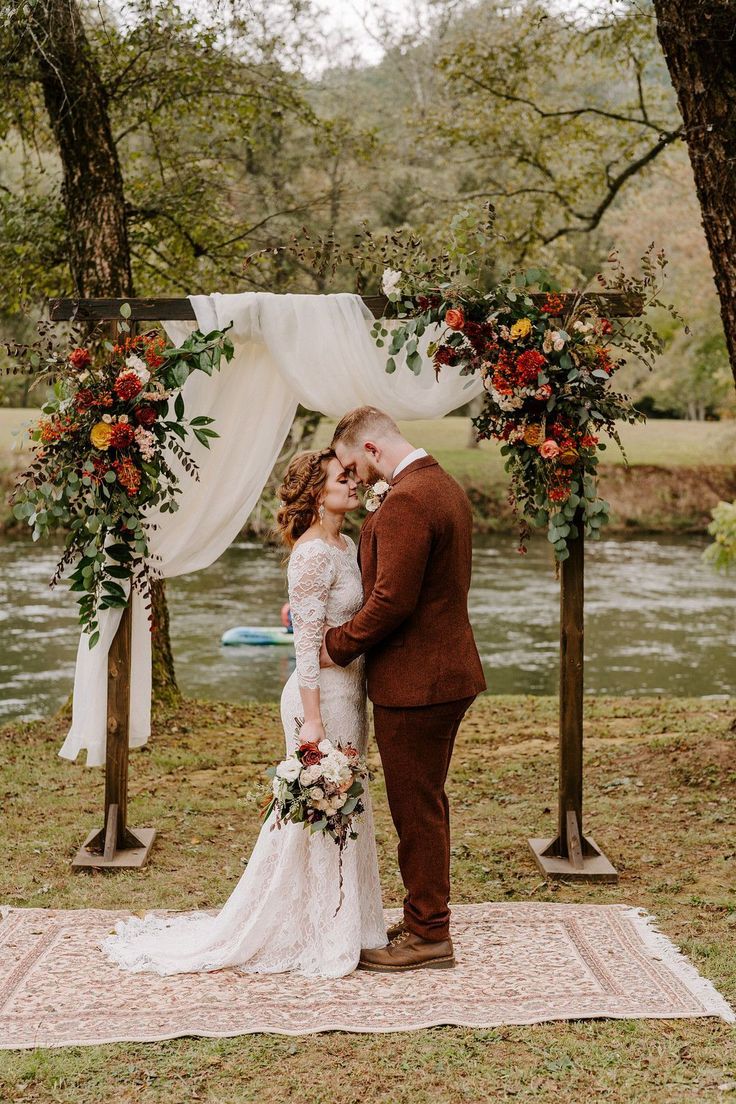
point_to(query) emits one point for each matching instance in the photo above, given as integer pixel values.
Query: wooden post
(570, 854)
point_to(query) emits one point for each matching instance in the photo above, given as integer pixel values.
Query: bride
(281, 914)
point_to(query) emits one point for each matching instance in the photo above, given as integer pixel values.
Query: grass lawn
(660, 799)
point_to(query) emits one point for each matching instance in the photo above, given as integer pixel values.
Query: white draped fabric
(289, 349)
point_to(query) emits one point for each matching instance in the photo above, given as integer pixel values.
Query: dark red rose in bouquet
(311, 755)
(80, 359)
(145, 415)
(446, 355)
(85, 399)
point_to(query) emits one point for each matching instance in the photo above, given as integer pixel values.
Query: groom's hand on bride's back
(324, 656)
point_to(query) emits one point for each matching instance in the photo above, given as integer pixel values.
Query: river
(658, 621)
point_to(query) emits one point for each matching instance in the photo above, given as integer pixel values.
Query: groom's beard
(372, 475)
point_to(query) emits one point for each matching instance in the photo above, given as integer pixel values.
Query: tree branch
(570, 113)
(592, 220)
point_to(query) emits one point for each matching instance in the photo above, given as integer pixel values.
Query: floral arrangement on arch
(103, 454)
(547, 363)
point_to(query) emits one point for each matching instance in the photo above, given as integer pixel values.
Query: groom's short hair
(364, 422)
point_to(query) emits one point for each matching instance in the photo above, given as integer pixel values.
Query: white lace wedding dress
(281, 914)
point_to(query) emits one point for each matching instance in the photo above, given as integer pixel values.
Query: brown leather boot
(395, 929)
(408, 951)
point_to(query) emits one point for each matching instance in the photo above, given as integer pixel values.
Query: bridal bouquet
(320, 786)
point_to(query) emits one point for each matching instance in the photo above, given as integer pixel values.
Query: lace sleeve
(310, 575)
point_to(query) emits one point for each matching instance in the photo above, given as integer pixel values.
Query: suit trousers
(416, 746)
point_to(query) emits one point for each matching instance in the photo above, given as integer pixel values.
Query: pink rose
(549, 449)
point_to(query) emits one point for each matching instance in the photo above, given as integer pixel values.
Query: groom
(422, 664)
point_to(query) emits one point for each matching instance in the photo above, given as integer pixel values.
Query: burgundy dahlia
(121, 435)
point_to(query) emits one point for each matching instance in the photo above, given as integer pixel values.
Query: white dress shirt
(417, 454)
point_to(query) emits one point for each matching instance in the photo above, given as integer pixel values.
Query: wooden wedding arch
(570, 854)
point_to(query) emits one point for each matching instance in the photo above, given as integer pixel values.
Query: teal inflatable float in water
(248, 634)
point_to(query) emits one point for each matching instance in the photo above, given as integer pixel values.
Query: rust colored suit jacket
(415, 558)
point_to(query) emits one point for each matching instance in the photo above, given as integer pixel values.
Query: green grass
(660, 799)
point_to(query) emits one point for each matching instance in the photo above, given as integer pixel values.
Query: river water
(658, 621)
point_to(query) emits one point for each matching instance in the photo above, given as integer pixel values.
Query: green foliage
(220, 147)
(565, 123)
(550, 113)
(722, 553)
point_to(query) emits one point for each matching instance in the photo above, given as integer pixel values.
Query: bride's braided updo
(300, 491)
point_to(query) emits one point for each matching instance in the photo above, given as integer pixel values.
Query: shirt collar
(417, 454)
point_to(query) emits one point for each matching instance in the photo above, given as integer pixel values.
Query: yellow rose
(100, 435)
(521, 329)
(533, 435)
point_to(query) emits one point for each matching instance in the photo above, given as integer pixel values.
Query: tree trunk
(699, 42)
(94, 200)
(92, 189)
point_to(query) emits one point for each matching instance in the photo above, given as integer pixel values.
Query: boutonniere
(375, 495)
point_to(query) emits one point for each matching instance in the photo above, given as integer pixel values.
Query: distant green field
(667, 443)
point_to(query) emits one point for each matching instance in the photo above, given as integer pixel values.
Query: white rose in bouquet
(139, 367)
(288, 769)
(336, 768)
(311, 774)
(325, 746)
(391, 280)
(316, 794)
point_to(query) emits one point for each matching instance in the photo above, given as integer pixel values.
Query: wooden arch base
(570, 855)
(116, 847)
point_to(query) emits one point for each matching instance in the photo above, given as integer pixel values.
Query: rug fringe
(646, 927)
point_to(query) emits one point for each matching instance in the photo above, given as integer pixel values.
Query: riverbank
(644, 498)
(660, 799)
(679, 471)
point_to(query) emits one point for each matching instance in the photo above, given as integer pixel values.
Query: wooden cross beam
(615, 304)
(569, 855)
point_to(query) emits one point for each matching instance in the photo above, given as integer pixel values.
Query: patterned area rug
(517, 964)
